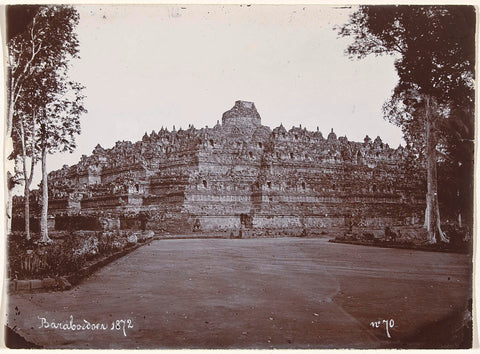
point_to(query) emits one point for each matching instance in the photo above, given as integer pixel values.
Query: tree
(17, 70)
(38, 85)
(25, 145)
(25, 122)
(434, 50)
(59, 123)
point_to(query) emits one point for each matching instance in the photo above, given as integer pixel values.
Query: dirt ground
(256, 293)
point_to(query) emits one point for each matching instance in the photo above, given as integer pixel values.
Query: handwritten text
(388, 325)
(84, 325)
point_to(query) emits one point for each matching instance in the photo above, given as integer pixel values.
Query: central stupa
(242, 114)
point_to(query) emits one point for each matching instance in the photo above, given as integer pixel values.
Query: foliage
(29, 259)
(434, 46)
(434, 50)
(17, 243)
(44, 105)
(457, 166)
(106, 242)
(52, 260)
(44, 46)
(62, 258)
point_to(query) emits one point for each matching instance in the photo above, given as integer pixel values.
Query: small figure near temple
(196, 225)
(390, 235)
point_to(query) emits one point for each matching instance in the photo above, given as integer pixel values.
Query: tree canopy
(433, 102)
(48, 43)
(434, 46)
(44, 104)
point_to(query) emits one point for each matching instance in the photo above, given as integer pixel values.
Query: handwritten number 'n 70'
(388, 325)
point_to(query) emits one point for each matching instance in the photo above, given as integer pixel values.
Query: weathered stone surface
(49, 283)
(243, 113)
(22, 284)
(239, 174)
(10, 284)
(36, 284)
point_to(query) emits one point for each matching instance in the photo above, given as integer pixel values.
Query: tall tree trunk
(26, 194)
(27, 178)
(28, 182)
(432, 210)
(8, 213)
(11, 109)
(26, 185)
(8, 146)
(44, 216)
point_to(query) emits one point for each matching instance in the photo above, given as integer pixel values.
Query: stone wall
(241, 174)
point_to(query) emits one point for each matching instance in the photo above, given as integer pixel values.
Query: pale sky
(148, 66)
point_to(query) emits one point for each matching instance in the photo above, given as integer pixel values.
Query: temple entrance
(246, 221)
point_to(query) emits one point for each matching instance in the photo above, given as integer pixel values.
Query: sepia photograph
(239, 176)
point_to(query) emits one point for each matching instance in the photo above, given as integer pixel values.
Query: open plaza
(257, 293)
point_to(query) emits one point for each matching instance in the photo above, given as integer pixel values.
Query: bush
(26, 263)
(106, 242)
(368, 236)
(62, 259)
(457, 235)
(22, 260)
(28, 260)
(89, 248)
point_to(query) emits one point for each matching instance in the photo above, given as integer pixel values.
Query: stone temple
(237, 175)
